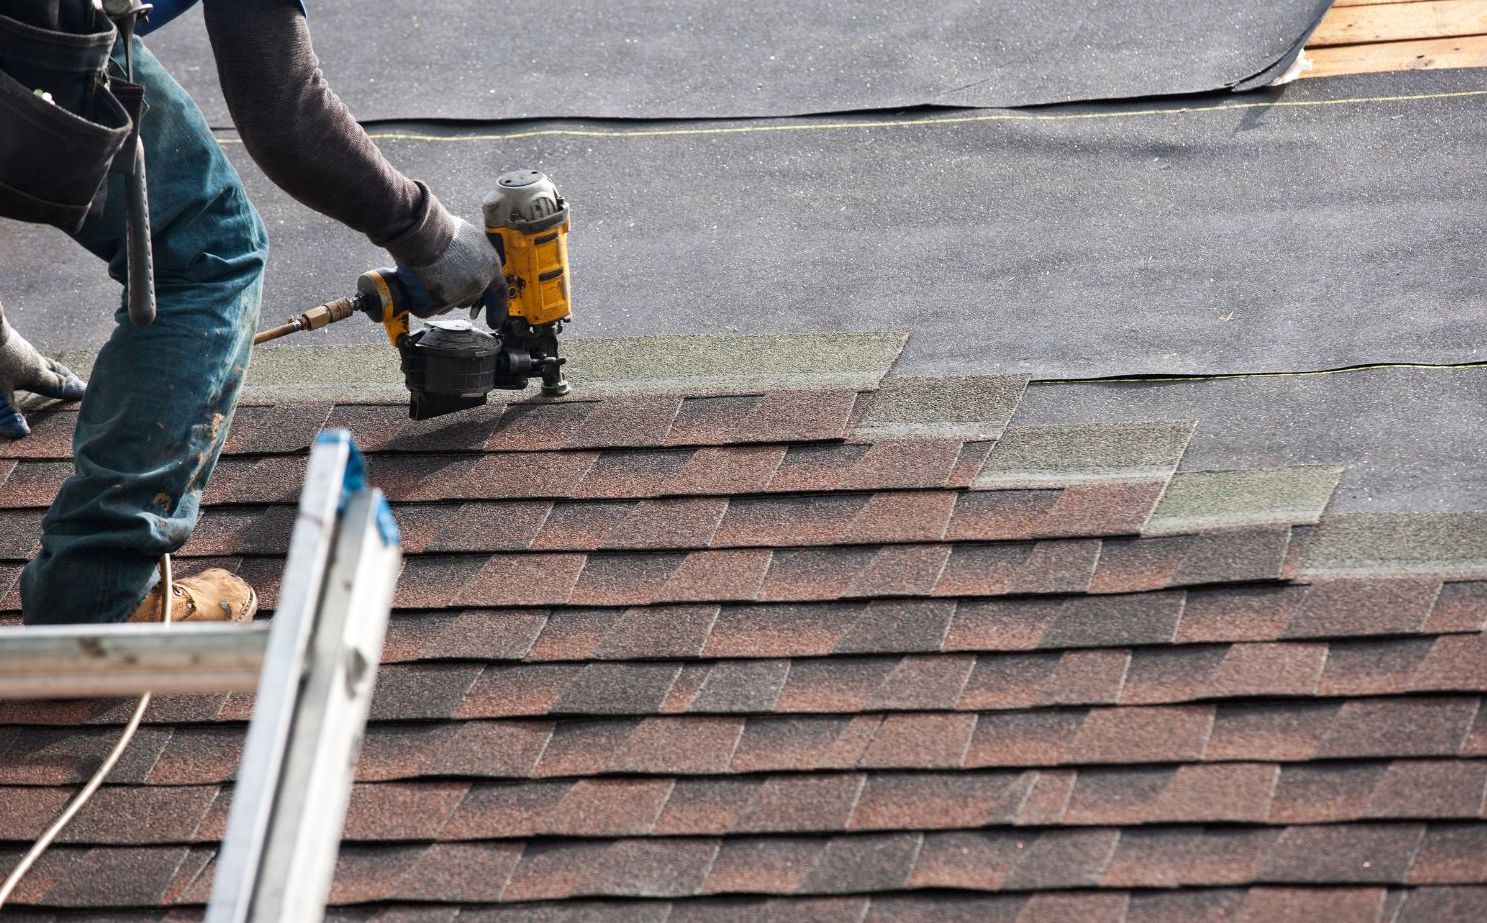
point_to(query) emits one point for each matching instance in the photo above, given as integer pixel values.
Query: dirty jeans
(160, 398)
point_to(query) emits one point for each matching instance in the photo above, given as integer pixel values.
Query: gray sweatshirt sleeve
(303, 137)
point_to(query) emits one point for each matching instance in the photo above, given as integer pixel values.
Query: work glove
(457, 279)
(23, 368)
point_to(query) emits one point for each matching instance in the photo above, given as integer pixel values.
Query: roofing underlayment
(654, 59)
(1214, 235)
(855, 581)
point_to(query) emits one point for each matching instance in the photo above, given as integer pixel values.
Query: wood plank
(1425, 54)
(1360, 21)
(1392, 22)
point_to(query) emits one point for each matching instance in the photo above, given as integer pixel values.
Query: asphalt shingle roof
(775, 656)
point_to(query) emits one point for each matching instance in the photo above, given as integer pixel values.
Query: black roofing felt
(716, 58)
(1304, 229)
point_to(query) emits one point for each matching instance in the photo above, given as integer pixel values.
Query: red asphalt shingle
(715, 658)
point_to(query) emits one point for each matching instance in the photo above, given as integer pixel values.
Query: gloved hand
(23, 368)
(456, 279)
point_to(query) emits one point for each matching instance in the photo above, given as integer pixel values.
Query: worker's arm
(304, 139)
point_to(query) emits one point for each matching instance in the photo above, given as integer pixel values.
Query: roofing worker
(161, 396)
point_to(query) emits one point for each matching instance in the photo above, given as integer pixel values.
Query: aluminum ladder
(313, 667)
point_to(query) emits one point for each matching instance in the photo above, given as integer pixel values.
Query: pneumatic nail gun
(453, 365)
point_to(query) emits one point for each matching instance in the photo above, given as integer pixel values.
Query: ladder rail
(260, 773)
(289, 804)
(299, 857)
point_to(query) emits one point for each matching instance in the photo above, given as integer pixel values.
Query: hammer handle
(141, 260)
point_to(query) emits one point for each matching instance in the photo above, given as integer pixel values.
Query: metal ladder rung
(82, 661)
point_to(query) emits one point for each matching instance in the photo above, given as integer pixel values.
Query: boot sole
(250, 610)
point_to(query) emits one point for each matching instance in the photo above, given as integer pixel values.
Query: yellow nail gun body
(527, 222)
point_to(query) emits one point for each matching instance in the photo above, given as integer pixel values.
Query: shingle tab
(1028, 567)
(100, 877)
(467, 634)
(1037, 456)
(68, 756)
(1459, 607)
(640, 421)
(1227, 499)
(33, 484)
(1383, 543)
(967, 407)
(1086, 509)
(884, 465)
(1338, 608)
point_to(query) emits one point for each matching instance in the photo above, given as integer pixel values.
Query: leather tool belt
(63, 123)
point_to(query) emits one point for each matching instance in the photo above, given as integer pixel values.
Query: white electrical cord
(45, 840)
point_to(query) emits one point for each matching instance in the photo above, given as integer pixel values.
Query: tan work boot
(214, 595)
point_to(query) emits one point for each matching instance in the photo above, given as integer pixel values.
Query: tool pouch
(55, 154)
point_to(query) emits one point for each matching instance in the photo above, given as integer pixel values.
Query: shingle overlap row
(1194, 856)
(1370, 728)
(1355, 904)
(808, 803)
(717, 658)
(632, 422)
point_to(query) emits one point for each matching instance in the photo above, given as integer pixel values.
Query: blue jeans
(161, 397)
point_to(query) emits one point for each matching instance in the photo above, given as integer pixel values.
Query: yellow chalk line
(901, 123)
